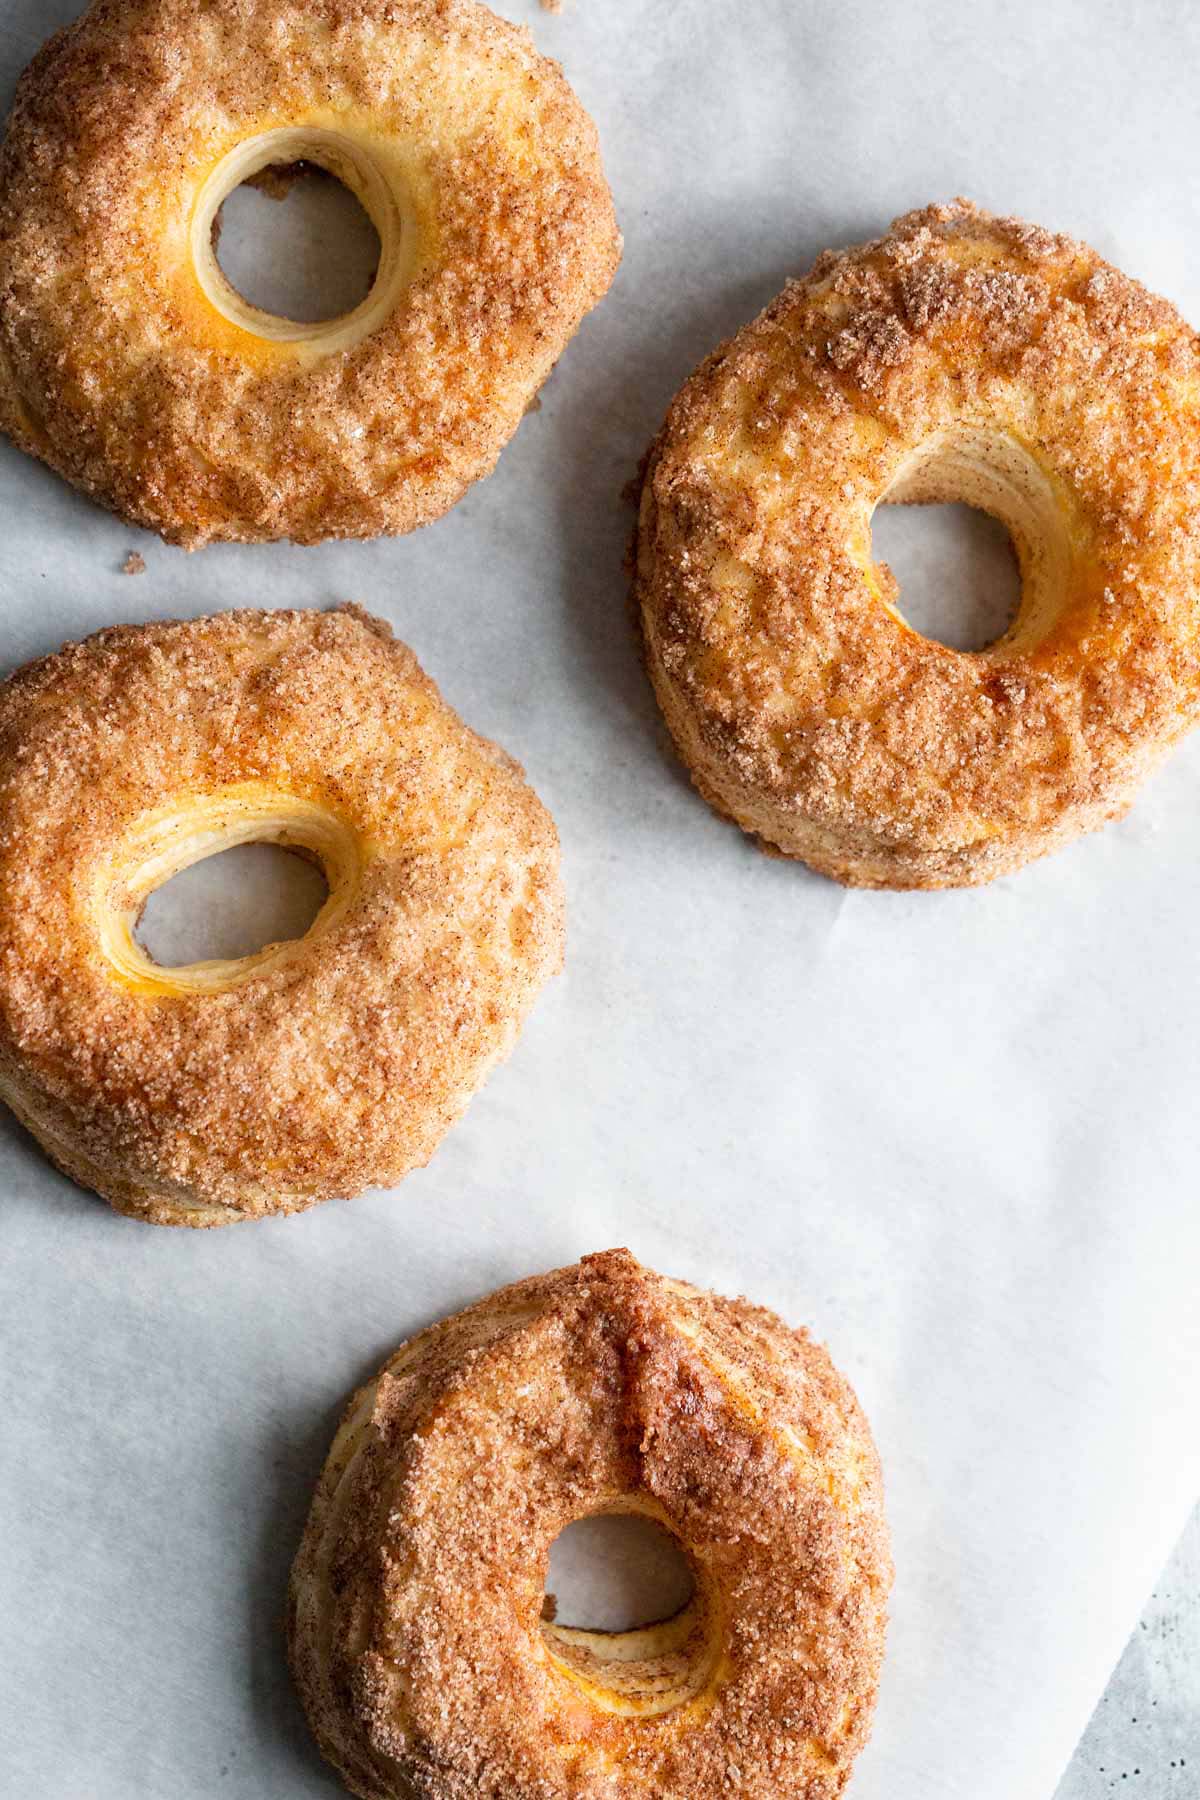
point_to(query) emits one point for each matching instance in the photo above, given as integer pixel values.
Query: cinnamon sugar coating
(961, 357)
(416, 1631)
(316, 1068)
(118, 371)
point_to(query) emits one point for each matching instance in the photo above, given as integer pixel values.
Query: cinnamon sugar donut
(416, 1622)
(218, 1091)
(961, 357)
(131, 366)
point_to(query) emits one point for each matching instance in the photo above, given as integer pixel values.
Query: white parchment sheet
(955, 1134)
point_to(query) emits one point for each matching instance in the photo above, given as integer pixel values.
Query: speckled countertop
(1144, 1739)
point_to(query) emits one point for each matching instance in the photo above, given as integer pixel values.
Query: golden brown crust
(415, 1621)
(117, 371)
(340, 1062)
(961, 356)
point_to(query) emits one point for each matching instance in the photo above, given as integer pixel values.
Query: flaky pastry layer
(316, 1068)
(961, 357)
(416, 1623)
(128, 367)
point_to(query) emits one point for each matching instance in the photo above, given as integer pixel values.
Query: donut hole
(295, 243)
(617, 1571)
(304, 221)
(957, 570)
(981, 536)
(232, 905)
(140, 893)
(628, 1617)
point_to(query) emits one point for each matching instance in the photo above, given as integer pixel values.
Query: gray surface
(1144, 1740)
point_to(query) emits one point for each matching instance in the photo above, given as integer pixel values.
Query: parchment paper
(955, 1134)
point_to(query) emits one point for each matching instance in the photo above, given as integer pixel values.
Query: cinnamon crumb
(804, 710)
(342, 1065)
(544, 1403)
(527, 241)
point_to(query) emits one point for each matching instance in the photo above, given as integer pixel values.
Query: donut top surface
(418, 1636)
(960, 357)
(317, 1067)
(128, 363)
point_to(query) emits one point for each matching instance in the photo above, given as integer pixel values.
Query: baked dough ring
(962, 357)
(415, 1623)
(204, 1094)
(130, 365)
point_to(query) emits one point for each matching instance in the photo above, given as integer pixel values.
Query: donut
(427, 1663)
(131, 366)
(962, 357)
(217, 1091)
